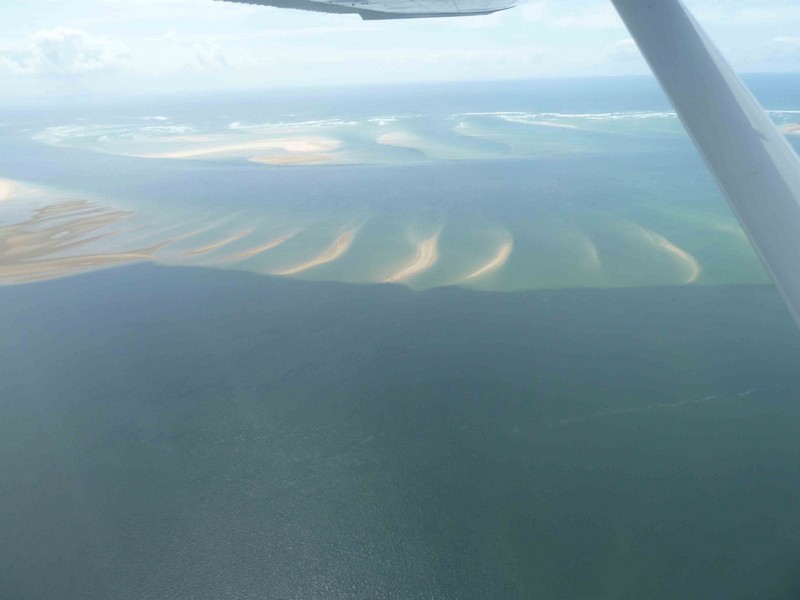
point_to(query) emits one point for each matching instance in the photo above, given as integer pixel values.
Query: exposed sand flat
(291, 159)
(219, 244)
(33, 250)
(330, 254)
(793, 128)
(498, 261)
(6, 189)
(301, 145)
(690, 263)
(426, 257)
(259, 249)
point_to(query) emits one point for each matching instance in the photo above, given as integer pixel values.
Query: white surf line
(426, 257)
(259, 249)
(219, 244)
(6, 189)
(334, 251)
(498, 261)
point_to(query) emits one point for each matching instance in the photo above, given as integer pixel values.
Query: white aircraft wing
(756, 168)
(392, 9)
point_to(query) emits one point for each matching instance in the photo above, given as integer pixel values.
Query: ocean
(497, 340)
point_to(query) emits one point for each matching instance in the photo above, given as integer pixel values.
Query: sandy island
(498, 261)
(330, 254)
(259, 249)
(426, 257)
(690, 261)
(307, 146)
(793, 128)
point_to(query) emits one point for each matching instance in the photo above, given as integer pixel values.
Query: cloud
(64, 51)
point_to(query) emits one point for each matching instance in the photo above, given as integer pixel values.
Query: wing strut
(755, 166)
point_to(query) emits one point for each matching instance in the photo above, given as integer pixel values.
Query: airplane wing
(756, 168)
(392, 9)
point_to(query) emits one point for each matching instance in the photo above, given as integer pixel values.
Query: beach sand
(498, 261)
(334, 251)
(305, 145)
(426, 257)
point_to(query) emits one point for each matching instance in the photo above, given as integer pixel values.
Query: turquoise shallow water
(592, 183)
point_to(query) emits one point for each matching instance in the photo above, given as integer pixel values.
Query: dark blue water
(179, 433)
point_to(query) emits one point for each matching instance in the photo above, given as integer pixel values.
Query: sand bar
(498, 261)
(426, 257)
(259, 249)
(334, 251)
(302, 145)
(219, 244)
(693, 267)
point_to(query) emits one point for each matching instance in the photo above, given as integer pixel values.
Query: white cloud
(64, 51)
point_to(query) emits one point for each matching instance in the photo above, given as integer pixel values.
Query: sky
(69, 47)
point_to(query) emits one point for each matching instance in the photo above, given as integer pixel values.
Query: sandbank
(34, 249)
(498, 261)
(219, 244)
(694, 270)
(426, 257)
(303, 145)
(330, 254)
(259, 249)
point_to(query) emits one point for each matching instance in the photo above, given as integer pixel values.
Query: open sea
(459, 341)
